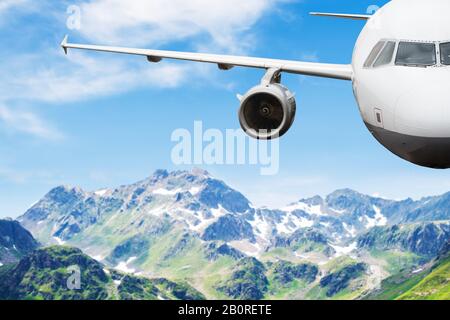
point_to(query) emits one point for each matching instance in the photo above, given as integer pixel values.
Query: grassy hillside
(431, 283)
(434, 286)
(45, 275)
(396, 285)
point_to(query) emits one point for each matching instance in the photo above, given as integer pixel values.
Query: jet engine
(268, 110)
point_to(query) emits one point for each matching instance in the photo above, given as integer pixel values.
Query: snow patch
(303, 223)
(99, 258)
(342, 251)
(291, 223)
(165, 192)
(101, 193)
(417, 270)
(350, 230)
(158, 211)
(204, 223)
(261, 227)
(130, 260)
(124, 266)
(217, 213)
(378, 221)
(117, 282)
(194, 190)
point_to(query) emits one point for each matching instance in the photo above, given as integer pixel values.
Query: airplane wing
(342, 15)
(226, 62)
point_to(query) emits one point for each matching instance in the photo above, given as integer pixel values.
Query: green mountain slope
(429, 283)
(344, 280)
(435, 286)
(48, 274)
(394, 286)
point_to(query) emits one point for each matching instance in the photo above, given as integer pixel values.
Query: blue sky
(96, 120)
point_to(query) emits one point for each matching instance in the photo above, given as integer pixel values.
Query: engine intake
(267, 111)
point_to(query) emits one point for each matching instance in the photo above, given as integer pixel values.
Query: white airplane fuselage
(406, 107)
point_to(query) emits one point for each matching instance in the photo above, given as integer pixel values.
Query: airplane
(400, 74)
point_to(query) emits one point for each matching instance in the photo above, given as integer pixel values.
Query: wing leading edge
(226, 62)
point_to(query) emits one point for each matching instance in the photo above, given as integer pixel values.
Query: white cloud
(142, 22)
(27, 122)
(9, 9)
(9, 4)
(80, 76)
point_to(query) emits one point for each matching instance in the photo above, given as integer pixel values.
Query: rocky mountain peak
(200, 172)
(64, 194)
(348, 194)
(313, 201)
(161, 174)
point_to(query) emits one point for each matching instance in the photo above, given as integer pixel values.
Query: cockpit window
(413, 54)
(374, 54)
(445, 53)
(386, 55)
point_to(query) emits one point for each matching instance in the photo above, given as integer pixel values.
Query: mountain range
(190, 227)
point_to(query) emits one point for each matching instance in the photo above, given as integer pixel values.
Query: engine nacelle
(267, 111)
